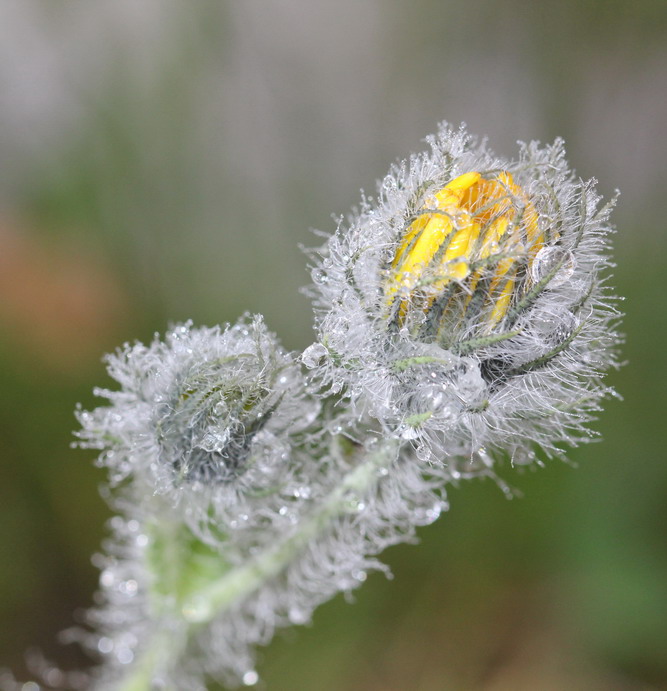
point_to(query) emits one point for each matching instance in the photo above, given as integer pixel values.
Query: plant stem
(214, 599)
(242, 581)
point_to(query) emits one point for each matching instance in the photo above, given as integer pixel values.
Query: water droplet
(353, 503)
(431, 398)
(552, 260)
(297, 615)
(544, 223)
(250, 678)
(423, 452)
(124, 656)
(389, 185)
(427, 515)
(485, 457)
(105, 645)
(313, 355)
(522, 456)
(197, 610)
(128, 587)
(409, 433)
(552, 328)
(301, 492)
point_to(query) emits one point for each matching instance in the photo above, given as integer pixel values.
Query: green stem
(240, 582)
(217, 597)
(163, 647)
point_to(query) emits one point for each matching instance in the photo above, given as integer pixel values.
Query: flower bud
(464, 309)
(461, 258)
(205, 409)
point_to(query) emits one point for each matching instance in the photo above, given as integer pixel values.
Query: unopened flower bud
(464, 308)
(205, 408)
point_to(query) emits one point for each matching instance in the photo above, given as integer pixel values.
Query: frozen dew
(556, 262)
(196, 610)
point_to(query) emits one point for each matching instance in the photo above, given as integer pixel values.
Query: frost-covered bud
(465, 308)
(207, 411)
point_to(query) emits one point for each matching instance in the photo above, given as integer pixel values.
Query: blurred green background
(162, 160)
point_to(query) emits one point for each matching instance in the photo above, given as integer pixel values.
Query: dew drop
(105, 645)
(423, 452)
(301, 492)
(297, 615)
(409, 433)
(198, 609)
(313, 355)
(552, 260)
(522, 456)
(427, 515)
(250, 678)
(389, 185)
(128, 587)
(124, 656)
(554, 327)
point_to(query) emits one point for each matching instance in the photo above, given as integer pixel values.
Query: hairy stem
(212, 600)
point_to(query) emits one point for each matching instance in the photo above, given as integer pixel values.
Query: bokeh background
(162, 160)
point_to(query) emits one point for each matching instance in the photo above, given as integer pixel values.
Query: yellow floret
(474, 226)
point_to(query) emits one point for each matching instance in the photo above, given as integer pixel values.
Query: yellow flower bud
(473, 238)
